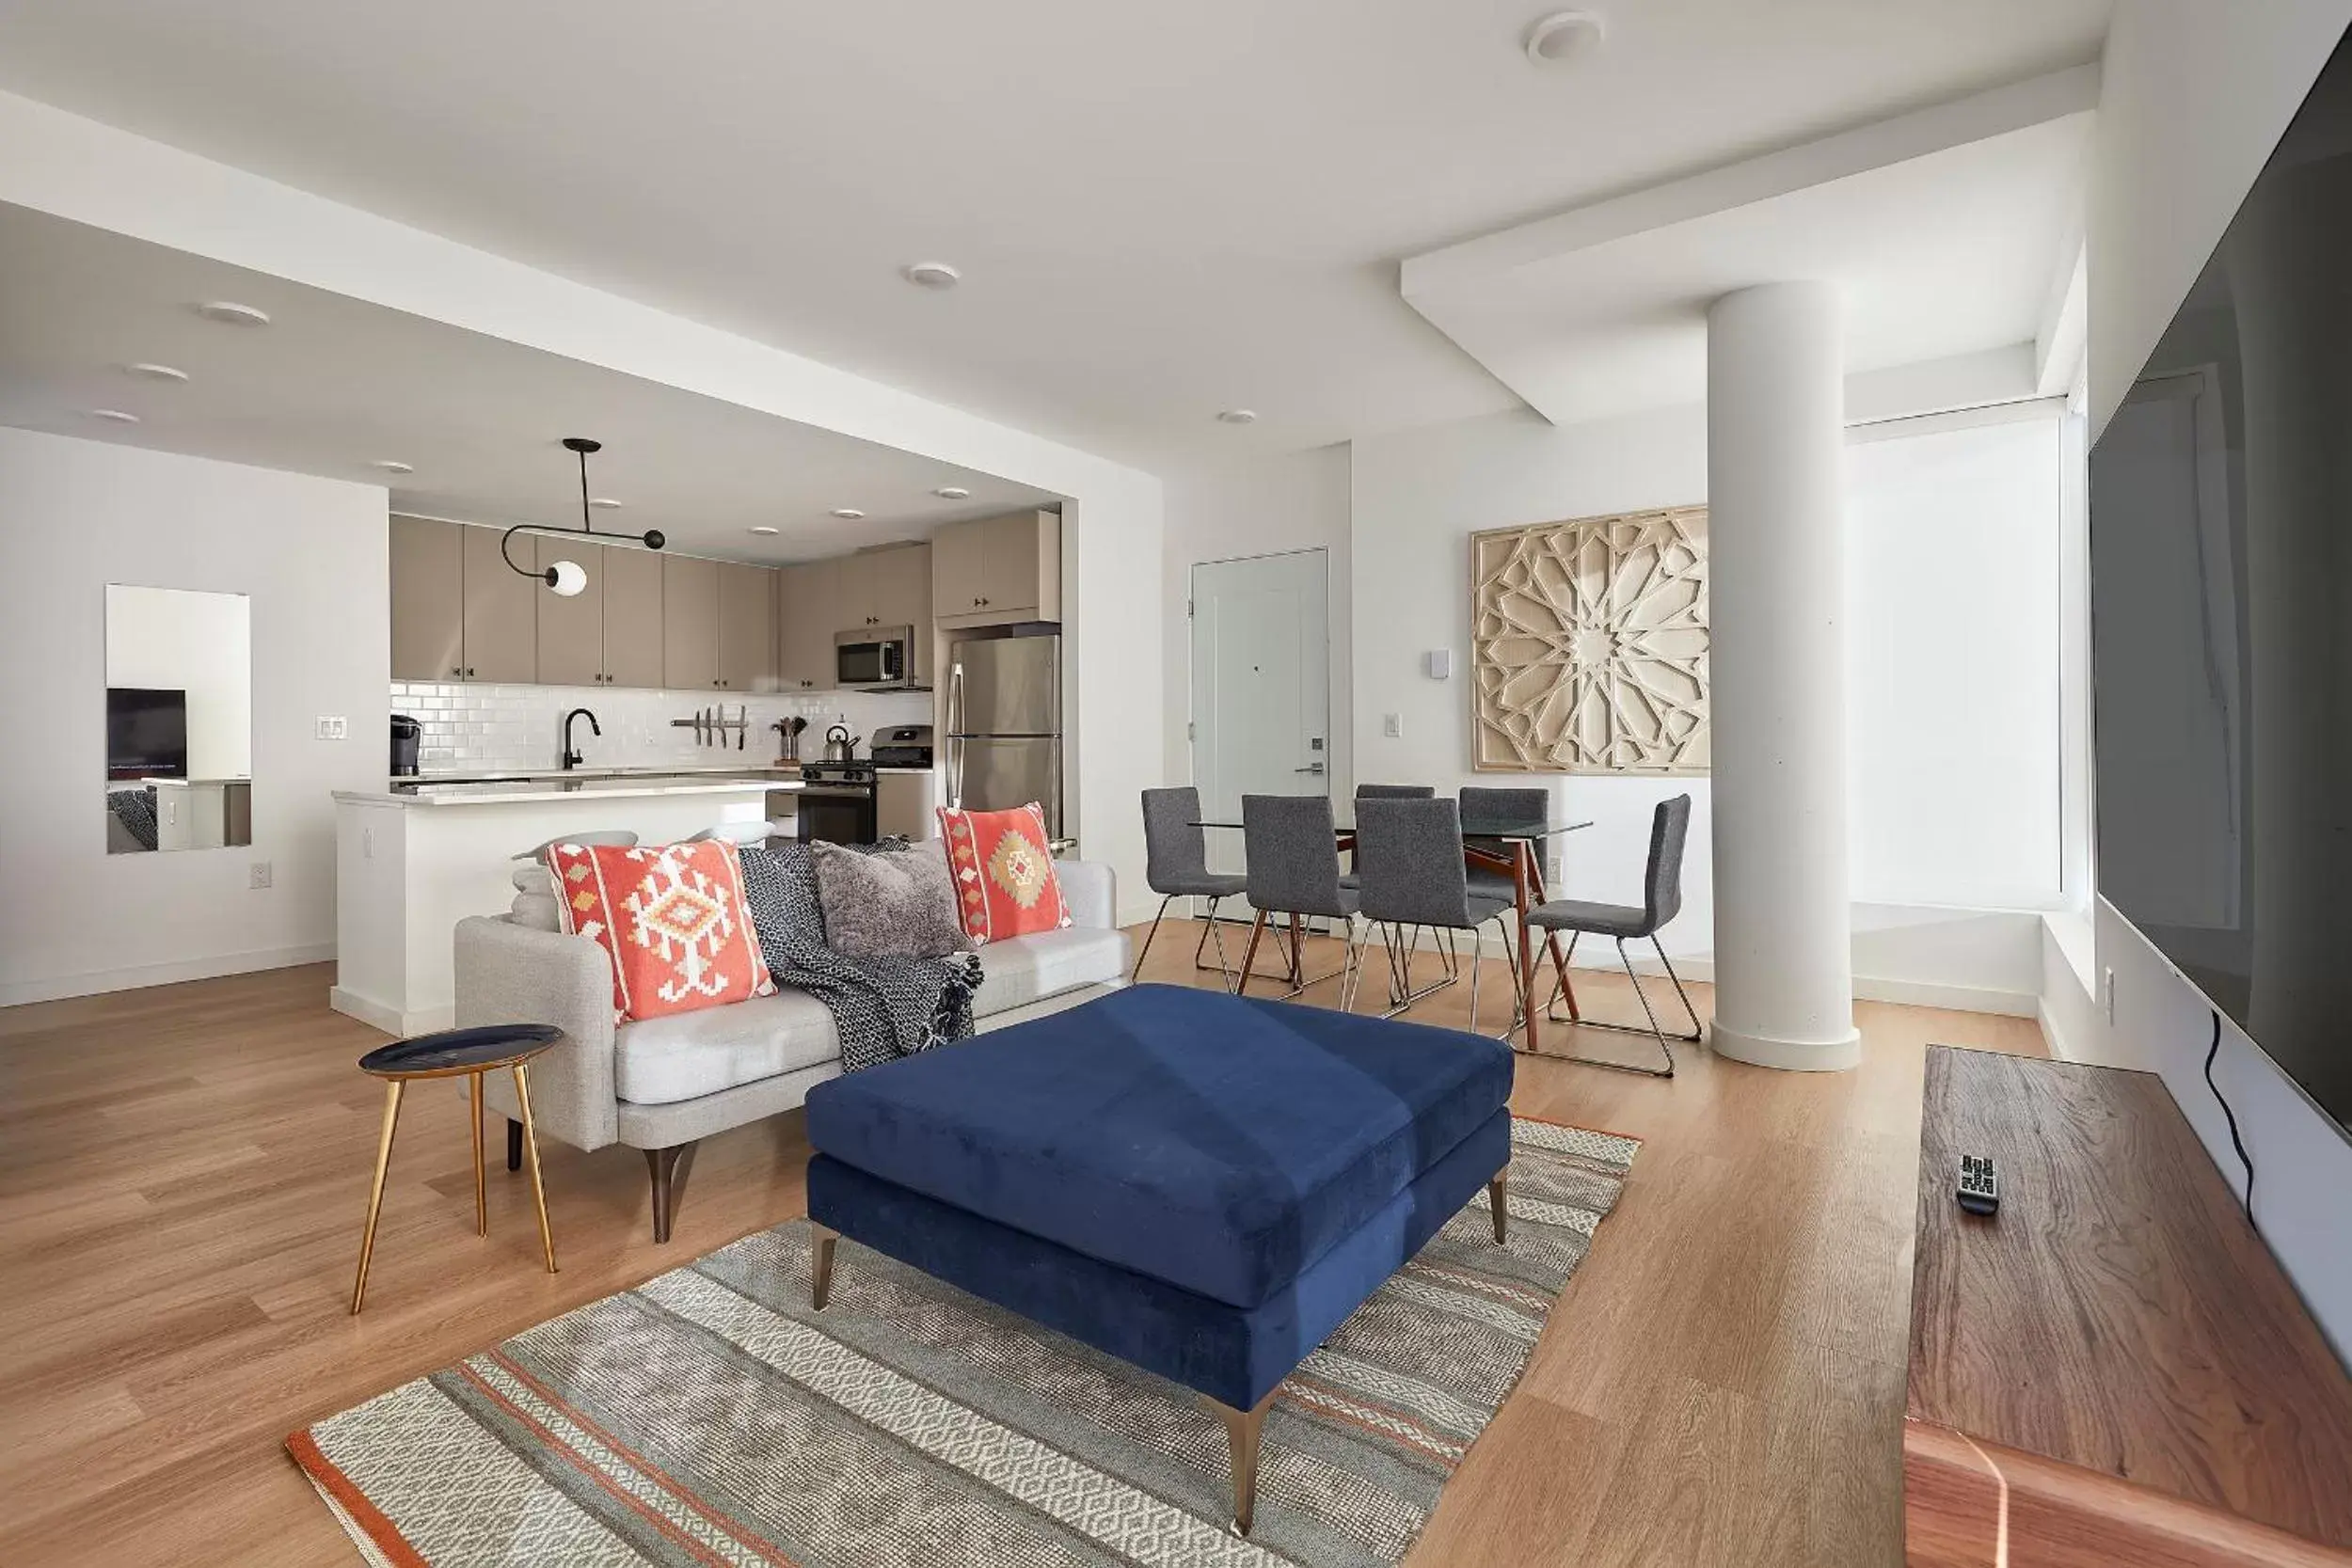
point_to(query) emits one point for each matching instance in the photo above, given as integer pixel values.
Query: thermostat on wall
(1439, 664)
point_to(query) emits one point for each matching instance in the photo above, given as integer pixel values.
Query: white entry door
(1261, 686)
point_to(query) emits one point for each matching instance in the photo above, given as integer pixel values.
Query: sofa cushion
(889, 903)
(1006, 884)
(1219, 1143)
(660, 1061)
(1020, 970)
(671, 917)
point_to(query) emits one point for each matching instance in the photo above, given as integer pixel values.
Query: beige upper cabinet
(747, 628)
(502, 612)
(428, 600)
(998, 569)
(571, 630)
(888, 587)
(809, 606)
(690, 624)
(633, 616)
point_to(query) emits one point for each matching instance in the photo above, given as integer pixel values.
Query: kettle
(840, 745)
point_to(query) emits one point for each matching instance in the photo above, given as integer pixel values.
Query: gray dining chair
(1661, 901)
(1176, 865)
(1414, 876)
(1292, 858)
(1478, 803)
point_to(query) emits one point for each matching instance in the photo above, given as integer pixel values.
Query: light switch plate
(334, 727)
(1393, 725)
(259, 874)
(1439, 663)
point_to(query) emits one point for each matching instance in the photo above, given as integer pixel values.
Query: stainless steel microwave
(874, 659)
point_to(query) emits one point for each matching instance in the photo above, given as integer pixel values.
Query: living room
(1313, 405)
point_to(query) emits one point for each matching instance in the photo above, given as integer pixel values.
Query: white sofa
(663, 1084)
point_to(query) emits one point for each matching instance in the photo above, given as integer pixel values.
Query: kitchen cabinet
(571, 630)
(502, 612)
(690, 624)
(808, 605)
(428, 600)
(998, 570)
(888, 587)
(747, 628)
(632, 617)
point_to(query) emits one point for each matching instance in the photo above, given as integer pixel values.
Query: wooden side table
(447, 1054)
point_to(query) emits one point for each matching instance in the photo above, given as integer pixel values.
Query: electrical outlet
(367, 844)
(2106, 994)
(333, 726)
(259, 874)
(1393, 725)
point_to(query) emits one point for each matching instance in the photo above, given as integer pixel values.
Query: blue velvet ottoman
(1201, 1185)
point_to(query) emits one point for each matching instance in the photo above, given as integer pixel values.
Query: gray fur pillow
(889, 902)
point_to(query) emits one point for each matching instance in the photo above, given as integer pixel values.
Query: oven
(874, 659)
(836, 802)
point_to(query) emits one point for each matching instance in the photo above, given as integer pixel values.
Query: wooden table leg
(1551, 945)
(375, 1193)
(481, 1186)
(530, 1156)
(1243, 1429)
(1521, 852)
(1249, 954)
(1298, 959)
(821, 1239)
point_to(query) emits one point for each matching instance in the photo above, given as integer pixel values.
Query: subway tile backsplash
(473, 727)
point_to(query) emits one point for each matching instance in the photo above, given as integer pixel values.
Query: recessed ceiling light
(952, 492)
(1562, 35)
(157, 373)
(848, 514)
(230, 313)
(394, 466)
(606, 502)
(117, 415)
(1238, 416)
(763, 530)
(933, 275)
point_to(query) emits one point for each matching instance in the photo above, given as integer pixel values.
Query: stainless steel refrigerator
(1004, 723)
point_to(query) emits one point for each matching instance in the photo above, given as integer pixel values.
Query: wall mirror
(179, 720)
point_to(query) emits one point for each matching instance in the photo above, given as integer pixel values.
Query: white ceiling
(334, 384)
(1949, 232)
(1160, 210)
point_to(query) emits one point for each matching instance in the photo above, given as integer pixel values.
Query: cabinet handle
(469, 671)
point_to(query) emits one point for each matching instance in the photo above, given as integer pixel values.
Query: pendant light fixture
(568, 577)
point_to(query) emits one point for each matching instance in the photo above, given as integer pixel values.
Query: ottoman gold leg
(1243, 1429)
(376, 1192)
(530, 1155)
(481, 1191)
(821, 1264)
(1498, 1199)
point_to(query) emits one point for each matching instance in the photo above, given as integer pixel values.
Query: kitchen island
(411, 862)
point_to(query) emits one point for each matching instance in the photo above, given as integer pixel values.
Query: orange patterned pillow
(673, 919)
(1005, 881)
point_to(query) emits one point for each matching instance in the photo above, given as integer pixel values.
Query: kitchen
(671, 693)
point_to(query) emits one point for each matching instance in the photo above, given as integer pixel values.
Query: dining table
(1511, 845)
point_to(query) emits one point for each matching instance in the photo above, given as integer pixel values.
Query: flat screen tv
(2221, 616)
(146, 733)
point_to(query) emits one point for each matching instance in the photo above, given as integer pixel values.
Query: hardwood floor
(183, 1171)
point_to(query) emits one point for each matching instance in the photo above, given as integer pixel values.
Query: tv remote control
(1979, 1188)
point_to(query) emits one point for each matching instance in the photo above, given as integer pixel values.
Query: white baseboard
(380, 1015)
(1963, 999)
(96, 982)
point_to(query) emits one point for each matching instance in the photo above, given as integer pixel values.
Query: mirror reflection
(179, 720)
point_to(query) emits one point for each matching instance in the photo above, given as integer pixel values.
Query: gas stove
(839, 773)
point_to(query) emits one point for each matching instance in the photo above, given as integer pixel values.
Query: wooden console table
(2112, 1370)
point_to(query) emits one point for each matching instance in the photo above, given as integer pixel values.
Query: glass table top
(1527, 829)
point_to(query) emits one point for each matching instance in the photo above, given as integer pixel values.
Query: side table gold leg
(531, 1154)
(375, 1193)
(480, 1190)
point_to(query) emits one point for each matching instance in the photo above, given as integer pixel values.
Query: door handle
(1310, 768)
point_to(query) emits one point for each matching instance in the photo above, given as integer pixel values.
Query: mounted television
(2221, 616)
(146, 733)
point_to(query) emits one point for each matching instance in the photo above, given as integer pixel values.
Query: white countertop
(646, 770)
(572, 788)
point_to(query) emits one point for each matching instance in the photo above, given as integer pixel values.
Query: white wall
(202, 644)
(310, 554)
(2194, 96)
(1297, 501)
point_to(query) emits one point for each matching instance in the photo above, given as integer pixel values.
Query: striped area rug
(710, 1417)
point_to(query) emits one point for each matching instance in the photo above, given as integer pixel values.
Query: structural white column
(1776, 589)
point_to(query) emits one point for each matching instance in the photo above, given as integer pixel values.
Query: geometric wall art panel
(1588, 645)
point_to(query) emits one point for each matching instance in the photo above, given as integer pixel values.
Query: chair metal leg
(1137, 973)
(1401, 992)
(1210, 928)
(1665, 1048)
